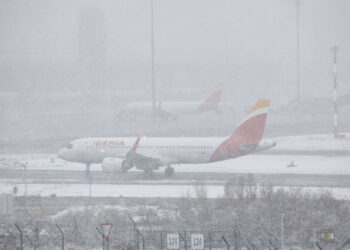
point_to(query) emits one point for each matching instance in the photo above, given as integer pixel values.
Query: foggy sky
(104, 46)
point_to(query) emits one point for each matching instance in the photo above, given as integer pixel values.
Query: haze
(104, 46)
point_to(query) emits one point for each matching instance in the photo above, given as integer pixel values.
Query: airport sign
(173, 241)
(327, 235)
(197, 241)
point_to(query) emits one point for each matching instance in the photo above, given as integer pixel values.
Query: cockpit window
(69, 146)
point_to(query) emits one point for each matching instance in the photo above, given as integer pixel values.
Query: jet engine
(113, 165)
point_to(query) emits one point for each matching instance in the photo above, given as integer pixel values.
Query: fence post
(318, 245)
(21, 235)
(209, 237)
(262, 242)
(246, 245)
(31, 242)
(107, 243)
(136, 233)
(184, 239)
(137, 239)
(37, 240)
(251, 244)
(226, 242)
(103, 238)
(62, 239)
(273, 246)
(237, 239)
(143, 240)
(76, 229)
(344, 244)
(161, 240)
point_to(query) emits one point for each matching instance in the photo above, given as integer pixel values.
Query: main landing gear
(126, 166)
(169, 171)
(87, 171)
(148, 174)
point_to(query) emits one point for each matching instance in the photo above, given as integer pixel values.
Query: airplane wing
(146, 162)
(163, 114)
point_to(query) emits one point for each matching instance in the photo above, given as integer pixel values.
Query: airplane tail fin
(212, 101)
(247, 135)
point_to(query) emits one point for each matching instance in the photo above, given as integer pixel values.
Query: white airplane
(119, 154)
(171, 110)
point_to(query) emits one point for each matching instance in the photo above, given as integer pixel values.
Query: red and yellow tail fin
(247, 135)
(212, 101)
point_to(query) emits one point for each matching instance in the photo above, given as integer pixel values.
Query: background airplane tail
(212, 101)
(248, 134)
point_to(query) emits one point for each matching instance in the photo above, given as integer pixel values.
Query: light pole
(298, 3)
(24, 166)
(334, 50)
(152, 65)
(90, 183)
(21, 236)
(282, 232)
(62, 237)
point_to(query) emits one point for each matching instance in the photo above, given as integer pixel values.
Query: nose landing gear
(169, 171)
(87, 171)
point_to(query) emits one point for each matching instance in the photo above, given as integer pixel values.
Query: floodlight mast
(152, 65)
(24, 166)
(282, 232)
(298, 3)
(334, 51)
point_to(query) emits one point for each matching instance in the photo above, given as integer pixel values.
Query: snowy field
(321, 142)
(149, 191)
(138, 191)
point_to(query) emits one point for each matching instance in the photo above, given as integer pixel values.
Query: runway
(289, 170)
(180, 178)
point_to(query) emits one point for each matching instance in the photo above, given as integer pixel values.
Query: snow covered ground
(139, 190)
(276, 164)
(319, 142)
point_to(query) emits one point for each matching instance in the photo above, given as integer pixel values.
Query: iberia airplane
(149, 153)
(171, 110)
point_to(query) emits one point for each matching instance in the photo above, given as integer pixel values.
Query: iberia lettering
(108, 143)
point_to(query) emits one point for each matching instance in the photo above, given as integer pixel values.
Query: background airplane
(149, 153)
(172, 109)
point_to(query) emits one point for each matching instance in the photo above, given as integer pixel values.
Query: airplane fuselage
(184, 150)
(171, 149)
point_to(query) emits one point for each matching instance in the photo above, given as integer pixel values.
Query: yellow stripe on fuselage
(262, 103)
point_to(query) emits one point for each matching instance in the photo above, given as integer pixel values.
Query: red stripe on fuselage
(249, 132)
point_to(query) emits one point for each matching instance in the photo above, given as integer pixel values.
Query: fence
(149, 239)
(215, 240)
